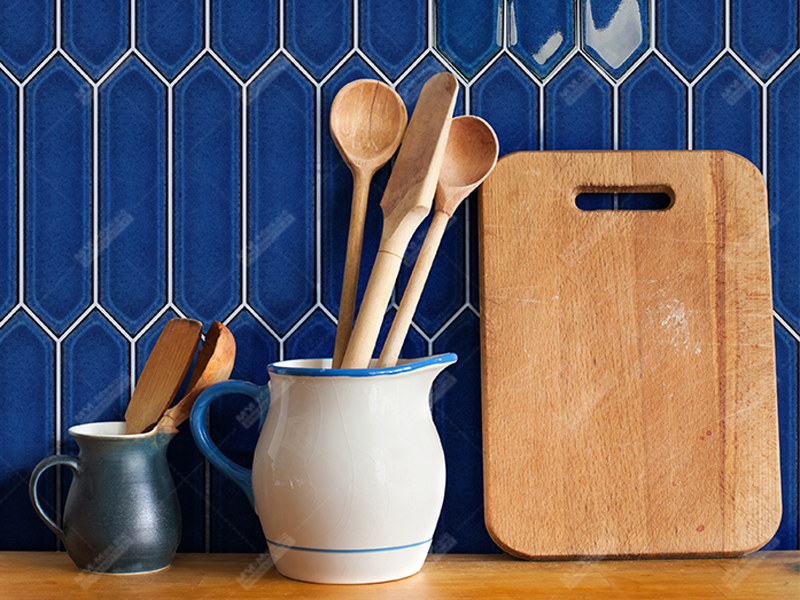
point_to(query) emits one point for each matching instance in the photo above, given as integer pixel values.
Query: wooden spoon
(163, 373)
(368, 119)
(469, 157)
(405, 204)
(214, 364)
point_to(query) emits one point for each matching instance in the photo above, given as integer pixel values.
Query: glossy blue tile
(27, 384)
(280, 260)
(541, 34)
(95, 32)
(256, 349)
(615, 32)
(337, 192)
(245, 32)
(169, 33)
(318, 33)
(187, 470)
(457, 414)
(764, 33)
(207, 193)
(26, 34)
(313, 339)
(469, 32)
(133, 195)
(8, 194)
(95, 376)
(473, 290)
(234, 425)
(786, 354)
(652, 109)
(689, 33)
(509, 101)
(577, 109)
(58, 195)
(727, 112)
(784, 192)
(234, 524)
(392, 33)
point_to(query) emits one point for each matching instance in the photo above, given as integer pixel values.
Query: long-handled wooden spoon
(405, 203)
(214, 364)
(368, 119)
(163, 373)
(469, 157)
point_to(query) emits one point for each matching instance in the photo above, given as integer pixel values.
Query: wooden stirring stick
(405, 203)
(214, 363)
(162, 374)
(368, 119)
(469, 157)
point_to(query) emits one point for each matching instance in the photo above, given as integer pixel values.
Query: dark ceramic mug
(122, 513)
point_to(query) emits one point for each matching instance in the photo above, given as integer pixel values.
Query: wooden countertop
(763, 575)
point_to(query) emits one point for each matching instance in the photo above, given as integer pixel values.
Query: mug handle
(51, 461)
(197, 420)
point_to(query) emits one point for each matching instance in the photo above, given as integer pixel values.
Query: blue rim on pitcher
(302, 367)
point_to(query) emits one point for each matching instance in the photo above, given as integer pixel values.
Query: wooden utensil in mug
(214, 364)
(163, 374)
(469, 157)
(368, 119)
(406, 202)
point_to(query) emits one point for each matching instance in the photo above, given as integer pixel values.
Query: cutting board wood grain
(628, 373)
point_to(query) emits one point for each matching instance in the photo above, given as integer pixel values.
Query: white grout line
(21, 185)
(95, 216)
(789, 329)
(244, 234)
(615, 120)
(318, 127)
(726, 31)
(281, 24)
(764, 99)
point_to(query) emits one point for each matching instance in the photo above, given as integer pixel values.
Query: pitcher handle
(197, 421)
(51, 461)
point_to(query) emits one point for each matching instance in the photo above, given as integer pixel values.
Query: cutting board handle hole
(621, 199)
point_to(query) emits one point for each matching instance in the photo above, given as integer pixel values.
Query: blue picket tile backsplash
(173, 158)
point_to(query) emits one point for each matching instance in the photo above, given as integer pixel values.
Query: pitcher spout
(426, 368)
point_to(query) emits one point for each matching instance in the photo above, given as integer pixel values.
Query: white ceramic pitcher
(348, 473)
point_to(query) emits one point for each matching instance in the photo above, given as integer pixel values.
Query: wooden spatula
(405, 203)
(214, 364)
(162, 374)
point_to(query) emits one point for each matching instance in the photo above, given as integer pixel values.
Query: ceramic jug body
(122, 513)
(348, 473)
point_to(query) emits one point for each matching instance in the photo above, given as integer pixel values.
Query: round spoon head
(368, 119)
(469, 157)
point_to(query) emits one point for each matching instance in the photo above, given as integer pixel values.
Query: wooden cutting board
(628, 370)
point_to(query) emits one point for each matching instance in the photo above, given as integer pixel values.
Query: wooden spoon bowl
(368, 120)
(470, 156)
